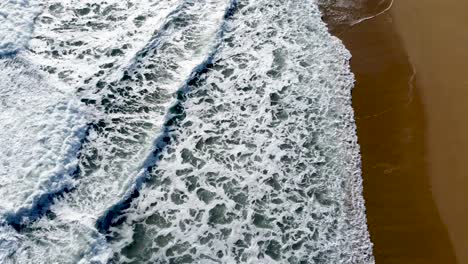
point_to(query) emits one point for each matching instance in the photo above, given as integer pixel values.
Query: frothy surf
(17, 20)
(178, 131)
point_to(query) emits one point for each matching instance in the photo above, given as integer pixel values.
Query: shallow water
(213, 131)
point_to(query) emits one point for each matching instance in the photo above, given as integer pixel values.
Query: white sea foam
(78, 40)
(266, 164)
(17, 24)
(43, 121)
(42, 130)
(123, 133)
(263, 169)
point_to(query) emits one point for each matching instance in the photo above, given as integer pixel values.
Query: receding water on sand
(403, 216)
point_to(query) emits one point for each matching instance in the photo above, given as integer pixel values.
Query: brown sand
(437, 42)
(410, 127)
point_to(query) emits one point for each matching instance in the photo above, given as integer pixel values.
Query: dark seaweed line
(115, 215)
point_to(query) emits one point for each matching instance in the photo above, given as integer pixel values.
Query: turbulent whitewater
(176, 131)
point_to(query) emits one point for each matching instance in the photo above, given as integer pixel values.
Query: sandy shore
(437, 43)
(410, 102)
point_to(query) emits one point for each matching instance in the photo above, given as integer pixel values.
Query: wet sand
(409, 124)
(437, 42)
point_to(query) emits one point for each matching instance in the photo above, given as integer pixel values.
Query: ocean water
(177, 131)
(17, 20)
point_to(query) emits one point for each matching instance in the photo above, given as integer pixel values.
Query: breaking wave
(177, 131)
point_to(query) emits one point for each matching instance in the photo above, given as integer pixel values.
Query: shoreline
(402, 215)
